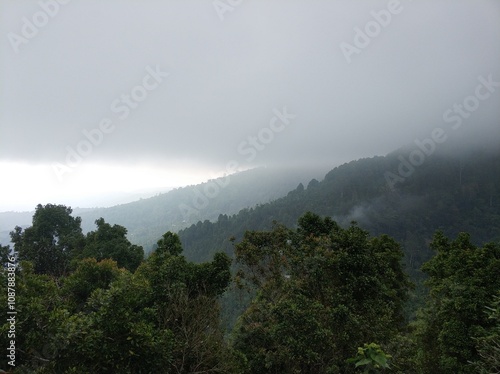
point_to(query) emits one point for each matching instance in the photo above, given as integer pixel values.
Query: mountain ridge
(449, 192)
(147, 219)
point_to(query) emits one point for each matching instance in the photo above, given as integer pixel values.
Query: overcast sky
(118, 96)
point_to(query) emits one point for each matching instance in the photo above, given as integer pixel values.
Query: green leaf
(380, 359)
(364, 361)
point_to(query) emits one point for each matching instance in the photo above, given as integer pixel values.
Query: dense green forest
(452, 192)
(344, 275)
(326, 299)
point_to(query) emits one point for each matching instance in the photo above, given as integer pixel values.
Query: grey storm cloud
(89, 68)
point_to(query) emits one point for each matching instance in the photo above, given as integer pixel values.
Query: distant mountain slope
(148, 219)
(8, 220)
(448, 191)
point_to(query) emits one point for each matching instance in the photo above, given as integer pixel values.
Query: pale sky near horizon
(121, 96)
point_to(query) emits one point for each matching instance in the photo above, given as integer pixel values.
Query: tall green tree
(89, 276)
(96, 322)
(111, 242)
(40, 313)
(488, 342)
(185, 299)
(115, 332)
(52, 241)
(322, 291)
(5, 253)
(462, 280)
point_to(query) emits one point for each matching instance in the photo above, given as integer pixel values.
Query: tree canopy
(322, 291)
(54, 238)
(463, 279)
(321, 298)
(111, 242)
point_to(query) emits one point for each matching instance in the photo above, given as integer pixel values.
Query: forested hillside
(147, 219)
(250, 187)
(295, 291)
(448, 192)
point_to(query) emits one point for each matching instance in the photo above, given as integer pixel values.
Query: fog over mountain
(121, 96)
